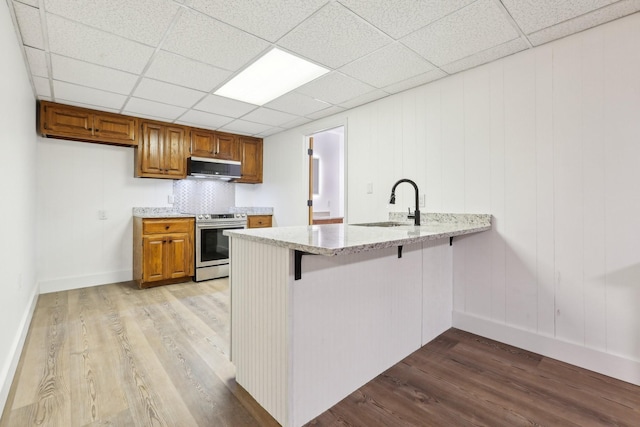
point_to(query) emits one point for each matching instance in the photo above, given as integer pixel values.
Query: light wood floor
(116, 355)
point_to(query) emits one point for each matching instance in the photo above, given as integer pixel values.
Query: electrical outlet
(102, 214)
(370, 188)
(423, 200)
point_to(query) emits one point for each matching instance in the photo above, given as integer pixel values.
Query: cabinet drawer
(258, 221)
(163, 225)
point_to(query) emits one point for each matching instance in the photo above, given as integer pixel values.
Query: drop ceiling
(163, 59)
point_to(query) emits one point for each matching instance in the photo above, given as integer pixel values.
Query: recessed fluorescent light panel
(271, 76)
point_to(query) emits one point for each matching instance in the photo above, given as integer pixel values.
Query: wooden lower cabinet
(163, 250)
(259, 221)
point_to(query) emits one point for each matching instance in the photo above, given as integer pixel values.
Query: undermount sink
(383, 224)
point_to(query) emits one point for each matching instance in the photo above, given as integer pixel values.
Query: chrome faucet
(392, 200)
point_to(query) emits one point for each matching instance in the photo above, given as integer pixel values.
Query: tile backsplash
(203, 195)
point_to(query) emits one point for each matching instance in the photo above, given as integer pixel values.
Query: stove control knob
(200, 216)
(207, 216)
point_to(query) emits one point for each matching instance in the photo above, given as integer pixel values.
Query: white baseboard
(615, 366)
(9, 370)
(77, 282)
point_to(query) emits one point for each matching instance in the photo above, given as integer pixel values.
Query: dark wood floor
(461, 379)
(116, 355)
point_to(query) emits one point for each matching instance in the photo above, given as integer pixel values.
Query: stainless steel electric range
(212, 247)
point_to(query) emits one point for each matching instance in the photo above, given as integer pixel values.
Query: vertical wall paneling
(622, 175)
(544, 191)
(520, 186)
(593, 170)
(433, 149)
(497, 189)
(568, 173)
(477, 154)
(453, 144)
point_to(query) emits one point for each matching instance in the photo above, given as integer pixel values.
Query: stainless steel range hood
(203, 167)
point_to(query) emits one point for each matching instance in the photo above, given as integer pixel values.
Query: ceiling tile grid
(164, 59)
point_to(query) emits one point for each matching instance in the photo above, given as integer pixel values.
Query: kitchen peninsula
(318, 311)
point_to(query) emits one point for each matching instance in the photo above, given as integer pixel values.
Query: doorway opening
(326, 177)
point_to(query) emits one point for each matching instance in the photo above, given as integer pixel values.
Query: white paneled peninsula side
(318, 311)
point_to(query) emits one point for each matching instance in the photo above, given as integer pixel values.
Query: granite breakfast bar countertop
(341, 239)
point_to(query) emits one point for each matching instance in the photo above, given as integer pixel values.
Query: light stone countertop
(341, 239)
(159, 213)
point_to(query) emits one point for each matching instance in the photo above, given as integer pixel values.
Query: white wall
(548, 141)
(19, 290)
(75, 180)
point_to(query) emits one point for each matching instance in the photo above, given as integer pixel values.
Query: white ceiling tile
(267, 116)
(334, 36)
(207, 120)
(172, 68)
(245, 128)
(532, 16)
(475, 28)
(297, 122)
(83, 105)
(42, 86)
(75, 40)
(488, 55)
(29, 22)
(153, 109)
(86, 74)
(224, 106)
(335, 88)
(326, 112)
(37, 60)
(270, 132)
(391, 64)
(597, 17)
(400, 17)
(144, 21)
(363, 99)
(33, 3)
(204, 39)
(87, 95)
(416, 81)
(155, 90)
(296, 103)
(269, 20)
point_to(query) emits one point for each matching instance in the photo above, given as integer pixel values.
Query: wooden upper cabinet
(217, 145)
(161, 152)
(83, 124)
(251, 159)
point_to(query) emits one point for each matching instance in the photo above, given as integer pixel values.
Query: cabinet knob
(166, 227)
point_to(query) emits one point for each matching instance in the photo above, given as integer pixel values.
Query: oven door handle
(220, 225)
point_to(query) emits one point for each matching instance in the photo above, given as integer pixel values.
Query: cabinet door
(115, 128)
(60, 120)
(251, 158)
(174, 158)
(151, 149)
(178, 261)
(203, 143)
(226, 146)
(153, 250)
